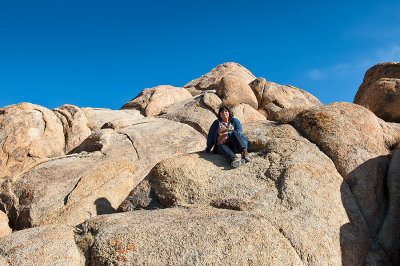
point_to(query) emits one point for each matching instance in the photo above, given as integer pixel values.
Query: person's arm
(236, 125)
(211, 135)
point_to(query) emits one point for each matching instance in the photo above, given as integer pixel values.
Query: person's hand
(222, 131)
(222, 139)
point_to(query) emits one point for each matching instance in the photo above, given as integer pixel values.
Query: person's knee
(222, 149)
(235, 133)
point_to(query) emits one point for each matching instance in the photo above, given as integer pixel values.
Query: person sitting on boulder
(225, 135)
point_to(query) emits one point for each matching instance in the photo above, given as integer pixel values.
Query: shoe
(236, 162)
(245, 156)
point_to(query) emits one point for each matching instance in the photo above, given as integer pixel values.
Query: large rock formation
(111, 162)
(386, 248)
(380, 91)
(189, 236)
(354, 139)
(289, 182)
(211, 80)
(234, 91)
(273, 98)
(28, 133)
(322, 187)
(46, 245)
(68, 190)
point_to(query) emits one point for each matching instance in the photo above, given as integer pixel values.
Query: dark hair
(223, 107)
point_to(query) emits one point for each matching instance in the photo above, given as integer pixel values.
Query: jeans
(235, 144)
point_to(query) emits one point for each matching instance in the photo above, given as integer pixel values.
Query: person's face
(224, 115)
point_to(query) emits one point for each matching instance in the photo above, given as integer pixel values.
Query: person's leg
(226, 151)
(239, 145)
(237, 141)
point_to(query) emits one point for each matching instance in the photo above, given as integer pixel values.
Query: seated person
(225, 135)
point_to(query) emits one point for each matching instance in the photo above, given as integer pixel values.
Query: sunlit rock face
(380, 91)
(91, 186)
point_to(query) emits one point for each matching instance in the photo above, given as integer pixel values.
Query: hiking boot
(245, 156)
(236, 162)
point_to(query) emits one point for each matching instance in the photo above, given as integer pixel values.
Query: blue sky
(103, 53)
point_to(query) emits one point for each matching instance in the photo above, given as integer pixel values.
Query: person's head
(224, 113)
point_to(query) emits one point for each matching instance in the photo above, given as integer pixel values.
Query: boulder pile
(90, 186)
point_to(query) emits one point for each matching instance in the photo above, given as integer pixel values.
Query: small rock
(213, 101)
(191, 112)
(230, 204)
(247, 114)
(4, 227)
(98, 117)
(75, 125)
(153, 101)
(258, 86)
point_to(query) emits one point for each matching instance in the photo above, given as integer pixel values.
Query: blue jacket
(213, 132)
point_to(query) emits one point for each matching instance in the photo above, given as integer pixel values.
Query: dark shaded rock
(141, 197)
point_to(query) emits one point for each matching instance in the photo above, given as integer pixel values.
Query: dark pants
(235, 144)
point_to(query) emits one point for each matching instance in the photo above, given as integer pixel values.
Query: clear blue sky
(103, 53)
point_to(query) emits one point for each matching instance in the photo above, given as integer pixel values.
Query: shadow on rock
(385, 248)
(365, 198)
(216, 159)
(141, 197)
(103, 206)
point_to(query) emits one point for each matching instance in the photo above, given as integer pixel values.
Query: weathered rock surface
(322, 190)
(233, 91)
(156, 139)
(193, 113)
(75, 125)
(68, 190)
(4, 227)
(189, 236)
(28, 133)
(154, 100)
(386, 248)
(380, 91)
(246, 114)
(212, 100)
(258, 86)
(353, 137)
(46, 245)
(273, 97)
(97, 117)
(284, 115)
(71, 189)
(211, 80)
(289, 182)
